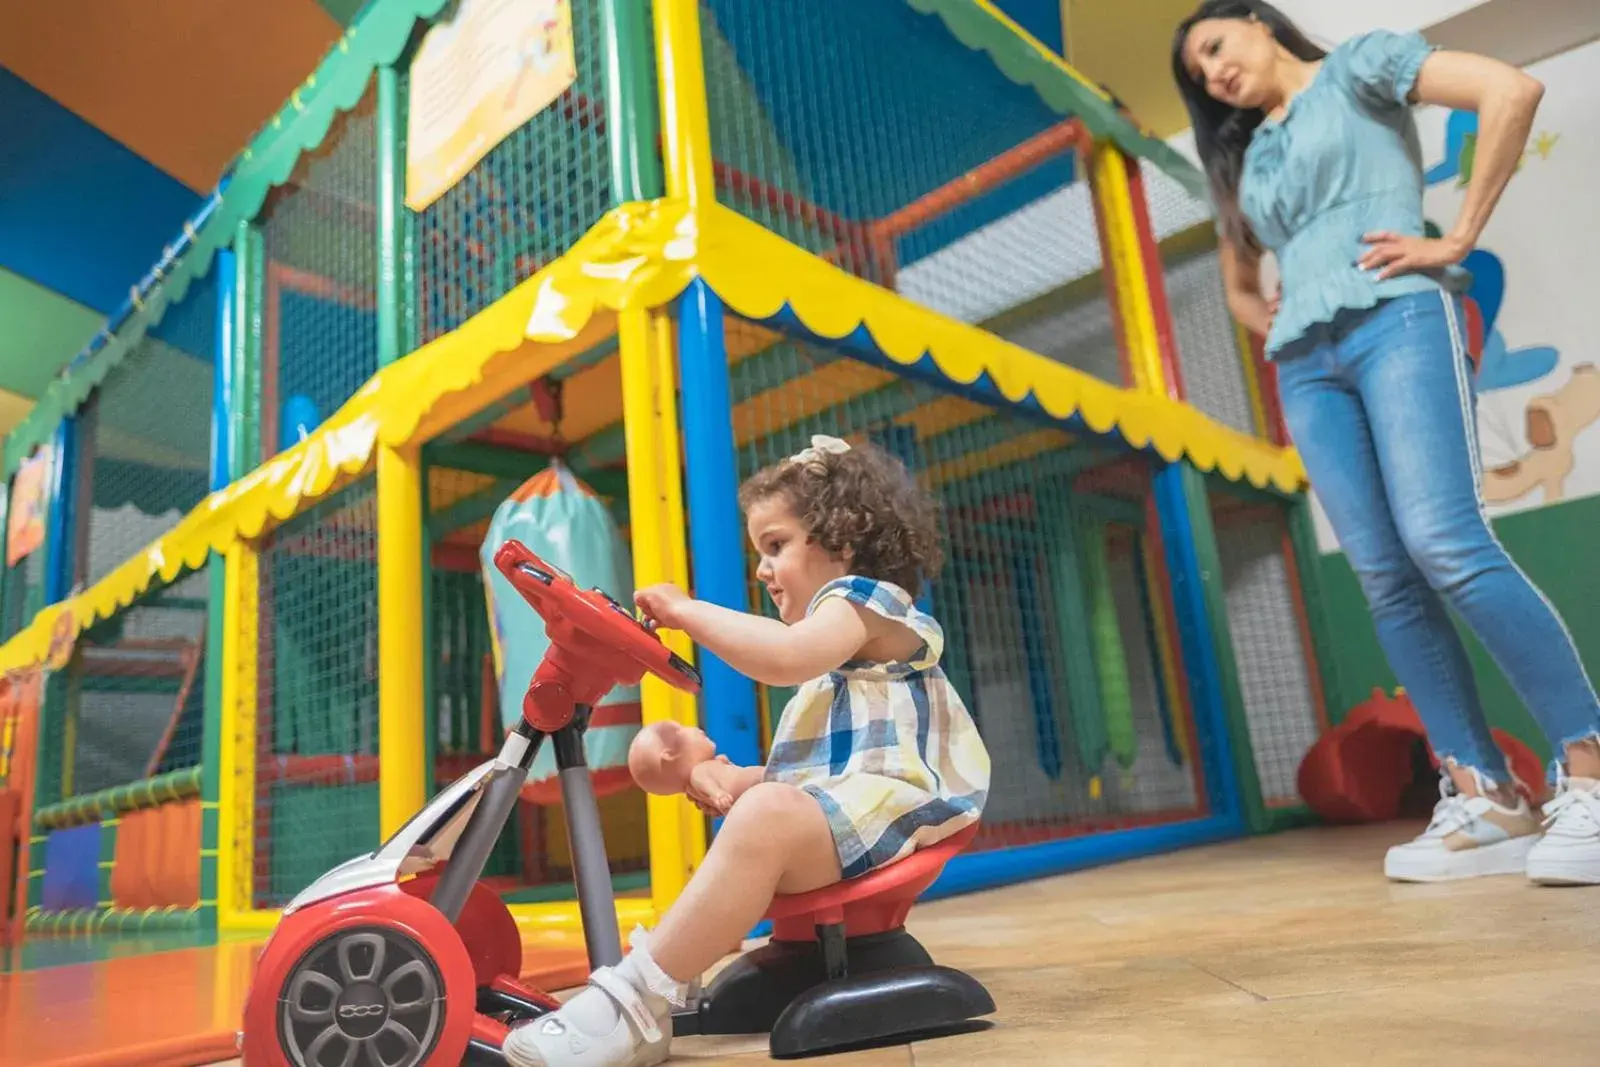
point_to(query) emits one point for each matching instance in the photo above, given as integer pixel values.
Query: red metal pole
(980, 179)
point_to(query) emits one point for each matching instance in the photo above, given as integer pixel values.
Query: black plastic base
(870, 1009)
(508, 1007)
(893, 988)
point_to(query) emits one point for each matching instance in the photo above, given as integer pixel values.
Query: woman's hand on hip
(1392, 254)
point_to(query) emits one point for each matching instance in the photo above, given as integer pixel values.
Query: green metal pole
(249, 284)
(632, 115)
(391, 212)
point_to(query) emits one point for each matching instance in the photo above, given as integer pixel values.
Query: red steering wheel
(595, 643)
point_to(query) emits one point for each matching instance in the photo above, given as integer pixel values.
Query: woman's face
(1234, 59)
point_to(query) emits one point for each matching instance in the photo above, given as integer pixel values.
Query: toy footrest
(508, 996)
(869, 1009)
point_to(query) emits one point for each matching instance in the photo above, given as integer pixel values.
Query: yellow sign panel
(476, 79)
(29, 505)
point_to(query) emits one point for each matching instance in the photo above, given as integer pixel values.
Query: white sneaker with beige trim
(1469, 837)
(1569, 852)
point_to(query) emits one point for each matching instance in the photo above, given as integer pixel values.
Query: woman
(1314, 155)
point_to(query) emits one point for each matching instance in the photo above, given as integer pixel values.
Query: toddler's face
(792, 566)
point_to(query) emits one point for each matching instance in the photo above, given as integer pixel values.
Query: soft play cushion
(1359, 770)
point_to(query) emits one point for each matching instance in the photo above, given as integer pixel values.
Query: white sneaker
(1569, 853)
(1469, 837)
(626, 1032)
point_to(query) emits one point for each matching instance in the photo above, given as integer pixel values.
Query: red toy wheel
(375, 974)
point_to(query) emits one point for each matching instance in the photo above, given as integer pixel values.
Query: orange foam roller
(157, 861)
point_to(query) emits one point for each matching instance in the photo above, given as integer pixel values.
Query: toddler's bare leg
(774, 840)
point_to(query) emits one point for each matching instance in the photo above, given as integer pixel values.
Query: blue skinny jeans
(1382, 407)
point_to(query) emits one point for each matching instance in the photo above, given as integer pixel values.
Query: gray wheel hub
(365, 997)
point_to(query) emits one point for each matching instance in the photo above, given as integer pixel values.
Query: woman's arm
(762, 648)
(1505, 99)
(1241, 278)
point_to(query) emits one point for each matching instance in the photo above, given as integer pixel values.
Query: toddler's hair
(865, 500)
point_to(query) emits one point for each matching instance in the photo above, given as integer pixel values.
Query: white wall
(1328, 23)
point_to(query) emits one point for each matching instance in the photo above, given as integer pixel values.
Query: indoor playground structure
(252, 623)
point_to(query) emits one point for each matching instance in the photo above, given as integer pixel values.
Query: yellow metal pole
(685, 119)
(675, 525)
(401, 745)
(1252, 381)
(236, 797)
(1125, 266)
(655, 509)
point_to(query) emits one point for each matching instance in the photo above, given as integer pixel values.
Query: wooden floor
(1290, 949)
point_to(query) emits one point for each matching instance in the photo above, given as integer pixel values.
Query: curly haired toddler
(874, 757)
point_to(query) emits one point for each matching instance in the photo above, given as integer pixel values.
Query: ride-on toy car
(400, 958)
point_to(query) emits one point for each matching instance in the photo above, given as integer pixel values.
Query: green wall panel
(1555, 546)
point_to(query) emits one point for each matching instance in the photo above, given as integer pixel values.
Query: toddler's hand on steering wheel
(663, 604)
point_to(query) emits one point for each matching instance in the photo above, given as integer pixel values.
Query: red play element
(872, 904)
(1475, 336)
(595, 643)
(1358, 771)
(387, 906)
(494, 944)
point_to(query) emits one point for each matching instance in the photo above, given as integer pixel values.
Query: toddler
(875, 755)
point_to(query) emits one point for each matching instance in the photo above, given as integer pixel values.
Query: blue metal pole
(1173, 489)
(222, 399)
(715, 538)
(59, 558)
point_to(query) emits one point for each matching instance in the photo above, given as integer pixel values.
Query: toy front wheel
(376, 977)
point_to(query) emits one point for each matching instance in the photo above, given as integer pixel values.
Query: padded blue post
(222, 398)
(716, 540)
(59, 557)
(1173, 489)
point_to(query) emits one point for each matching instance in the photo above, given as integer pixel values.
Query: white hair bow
(820, 443)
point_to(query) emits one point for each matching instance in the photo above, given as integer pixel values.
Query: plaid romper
(888, 749)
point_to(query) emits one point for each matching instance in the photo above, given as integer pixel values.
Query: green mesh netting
(317, 694)
(1267, 626)
(525, 203)
(835, 135)
(144, 438)
(319, 324)
(136, 689)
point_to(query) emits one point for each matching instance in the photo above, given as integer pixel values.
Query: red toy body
(402, 956)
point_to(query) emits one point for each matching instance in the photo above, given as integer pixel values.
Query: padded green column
(1074, 631)
(1110, 658)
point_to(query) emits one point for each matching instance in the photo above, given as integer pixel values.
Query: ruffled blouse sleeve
(1382, 66)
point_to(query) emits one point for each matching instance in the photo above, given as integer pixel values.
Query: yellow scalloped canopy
(641, 255)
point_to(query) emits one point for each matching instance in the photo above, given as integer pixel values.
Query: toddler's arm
(761, 648)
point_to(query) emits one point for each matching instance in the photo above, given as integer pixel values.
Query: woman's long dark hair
(1222, 133)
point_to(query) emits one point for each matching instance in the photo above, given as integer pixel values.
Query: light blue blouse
(1343, 161)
